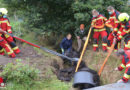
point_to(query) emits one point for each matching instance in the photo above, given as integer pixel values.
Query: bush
(20, 73)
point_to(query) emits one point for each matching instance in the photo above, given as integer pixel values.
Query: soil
(62, 68)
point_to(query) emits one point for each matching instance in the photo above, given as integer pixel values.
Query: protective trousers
(11, 42)
(4, 46)
(96, 39)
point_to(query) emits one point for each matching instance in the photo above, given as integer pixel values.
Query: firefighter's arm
(105, 19)
(124, 32)
(2, 31)
(115, 29)
(107, 24)
(92, 23)
(122, 66)
(9, 27)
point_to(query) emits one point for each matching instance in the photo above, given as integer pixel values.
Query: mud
(67, 72)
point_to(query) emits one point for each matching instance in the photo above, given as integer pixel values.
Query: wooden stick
(102, 67)
(84, 48)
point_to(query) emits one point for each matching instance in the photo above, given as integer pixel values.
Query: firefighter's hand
(62, 50)
(114, 41)
(111, 29)
(4, 32)
(120, 81)
(116, 69)
(78, 37)
(10, 31)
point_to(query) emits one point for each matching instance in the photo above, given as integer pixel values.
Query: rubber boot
(17, 51)
(12, 55)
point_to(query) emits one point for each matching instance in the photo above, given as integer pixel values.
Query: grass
(95, 60)
(50, 84)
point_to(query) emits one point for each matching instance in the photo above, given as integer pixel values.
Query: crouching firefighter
(5, 26)
(125, 61)
(4, 46)
(98, 24)
(66, 44)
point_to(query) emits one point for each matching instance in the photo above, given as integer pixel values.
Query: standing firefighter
(5, 26)
(4, 46)
(81, 36)
(113, 24)
(125, 61)
(98, 24)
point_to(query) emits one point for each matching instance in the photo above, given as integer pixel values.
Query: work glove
(111, 29)
(114, 41)
(116, 69)
(114, 34)
(9, 31)
(63, 52)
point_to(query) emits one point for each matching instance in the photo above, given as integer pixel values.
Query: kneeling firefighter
(4, 45)
(125, 60)
(5, 26)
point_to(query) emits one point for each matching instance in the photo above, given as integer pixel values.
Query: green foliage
(59, 16)
(20, 73)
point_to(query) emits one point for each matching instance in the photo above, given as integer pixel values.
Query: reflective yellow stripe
(115, 50)
(128, 65)
(122, 26)
(9, 30)
(112, 17)
(123, 66)
(119, 45)
(104, 44)
(108, 47)
(120, 36)
(2, 50)
(119, 32)
(126, 76)
(99, 30)
(116, 21)
(11, 51)
(5, 21)
(95, 45)
(6, 35)
(115, 29)
(127, 45)
(15, 48)
(126, 31)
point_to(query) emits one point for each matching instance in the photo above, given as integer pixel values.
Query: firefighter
(66, 44)
(125, 61)
(5, 26)
(81, 36)
(125, 26)
(113, 24)
(4, 46)
(98, 25)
